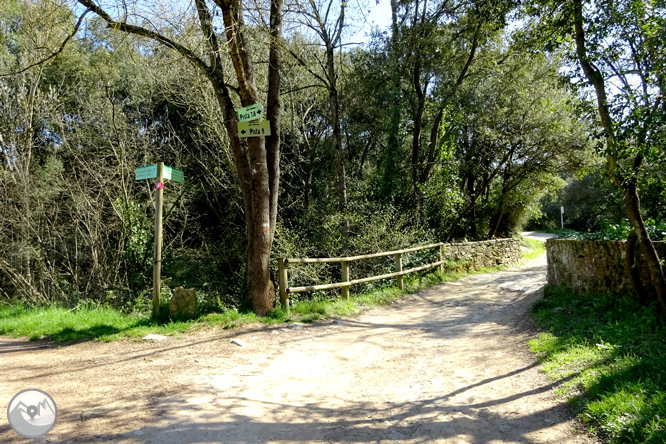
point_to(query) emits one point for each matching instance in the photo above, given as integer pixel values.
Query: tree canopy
(453, 121)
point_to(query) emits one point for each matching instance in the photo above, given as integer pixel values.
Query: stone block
(183, 304)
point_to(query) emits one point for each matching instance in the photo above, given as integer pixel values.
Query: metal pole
(157, 257)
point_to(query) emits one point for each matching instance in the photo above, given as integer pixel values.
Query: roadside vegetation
(104, 323)
(610, 355)
(535, 248)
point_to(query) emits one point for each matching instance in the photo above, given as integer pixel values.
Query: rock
(239, 343)
(295, 325)
(138, 432)
(183, 304)
(152, 337)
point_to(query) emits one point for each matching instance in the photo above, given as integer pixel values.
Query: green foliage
(656, 230)
(91, 321)
(77, 227)
(608, 352)
(138, 235)
(536, 248)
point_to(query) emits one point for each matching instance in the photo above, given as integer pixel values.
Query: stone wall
(490, 253)
(586, 266)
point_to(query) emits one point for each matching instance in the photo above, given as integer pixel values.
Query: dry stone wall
(490, 253)
(586, 266)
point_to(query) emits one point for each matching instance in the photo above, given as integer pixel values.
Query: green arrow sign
(252, 112)
(147, 172)
(254, 129)
(174, 174)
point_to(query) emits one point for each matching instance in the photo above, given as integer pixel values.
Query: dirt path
(447, 365)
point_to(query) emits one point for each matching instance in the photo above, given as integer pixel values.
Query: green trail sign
(252, 112)
(174, 174)
(147, 172)
(254, 129)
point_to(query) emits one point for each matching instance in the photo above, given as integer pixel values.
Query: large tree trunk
(631, 266)
(626, 184)
(256, 158)
(645, 244)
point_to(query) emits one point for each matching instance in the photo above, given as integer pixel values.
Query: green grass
(611, 354)
(106, 324)
(60, 325)
(538, 248)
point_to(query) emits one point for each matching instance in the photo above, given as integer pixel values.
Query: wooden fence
(283, 264)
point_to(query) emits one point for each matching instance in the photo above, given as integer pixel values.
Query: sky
(376, 14)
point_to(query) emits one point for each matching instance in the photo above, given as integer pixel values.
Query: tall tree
(256, 158)
(622, 41)
(321, 18)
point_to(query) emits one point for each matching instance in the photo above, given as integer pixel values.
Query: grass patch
(613, 352)
(536, 247)
(106, 324)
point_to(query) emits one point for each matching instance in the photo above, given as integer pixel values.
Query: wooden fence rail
(283, 264)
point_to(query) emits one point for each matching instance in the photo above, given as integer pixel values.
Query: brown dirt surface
(449, 364)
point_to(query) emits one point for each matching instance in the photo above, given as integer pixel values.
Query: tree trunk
(256, 159)
(646, 246)
(626, 184)
(337, 140)
(391, 161)
(632, 269)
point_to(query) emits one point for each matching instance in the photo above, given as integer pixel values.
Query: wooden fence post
(441, 258)
(284, 283)
(398, 267)
(345, 278)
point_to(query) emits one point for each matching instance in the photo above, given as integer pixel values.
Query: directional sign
(147, 172)
(174, 174)
(254, 129)
(252, 112)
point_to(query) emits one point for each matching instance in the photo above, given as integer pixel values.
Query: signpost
(174, 174)
(147, 172)
(160, 172)
(562, 216)
(252, 112)
(254, 129)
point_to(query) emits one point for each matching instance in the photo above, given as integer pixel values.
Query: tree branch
(54, 54)
(137, 30)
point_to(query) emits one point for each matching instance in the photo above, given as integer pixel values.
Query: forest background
(461, 120)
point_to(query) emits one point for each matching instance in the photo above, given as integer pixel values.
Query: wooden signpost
(160, 172)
